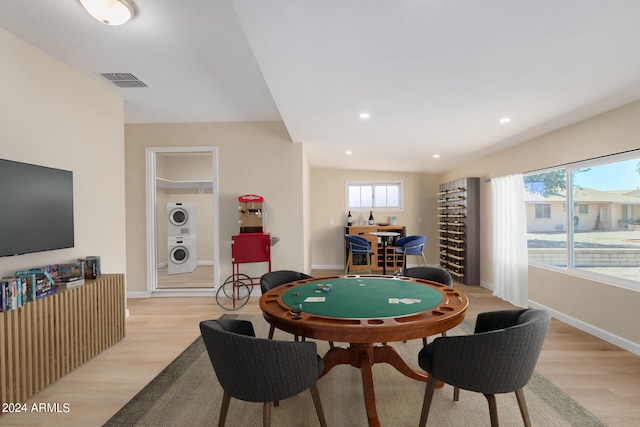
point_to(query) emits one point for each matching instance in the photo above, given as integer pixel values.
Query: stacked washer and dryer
(181, 235)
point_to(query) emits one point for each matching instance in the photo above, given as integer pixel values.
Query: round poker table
(363, 310)
(358, 308)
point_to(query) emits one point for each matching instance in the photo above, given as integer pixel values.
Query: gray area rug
(186, 393)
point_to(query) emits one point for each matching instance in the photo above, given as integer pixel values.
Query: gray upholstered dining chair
(260, 370)
(499, 357)
(276, 278)
(434, 274)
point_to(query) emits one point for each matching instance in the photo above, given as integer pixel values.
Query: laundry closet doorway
(182, 221)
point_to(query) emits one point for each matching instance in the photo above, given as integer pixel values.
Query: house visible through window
(585, 218)
(372, 195)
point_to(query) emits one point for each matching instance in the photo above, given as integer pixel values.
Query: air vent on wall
(124, 79)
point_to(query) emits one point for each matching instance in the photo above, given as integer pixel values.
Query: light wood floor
(201, 277)
(601, 377)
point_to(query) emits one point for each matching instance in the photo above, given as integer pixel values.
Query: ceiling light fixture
(505, 120)
(436, 156)
(364, 115)
(110, 12)
(348, 152)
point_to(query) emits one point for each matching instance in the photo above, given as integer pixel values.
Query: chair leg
(523, 407)
(456, 394)
(318, 404)
(428, 397)
(266, 414)
(493, 409)
(424, 341)
(226, 398)
(272, 329)
(346, 264)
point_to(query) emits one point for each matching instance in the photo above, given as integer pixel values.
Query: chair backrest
(414, 243)
(279, 277)
(496, 361)
(434, 274)
(255, 369)
(356, 243)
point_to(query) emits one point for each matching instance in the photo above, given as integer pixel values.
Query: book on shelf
(69, 275)
(70, 283)
(29, 283)
(44, 284)
(91, 264)
(13, 293)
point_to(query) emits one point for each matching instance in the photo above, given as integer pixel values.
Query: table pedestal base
(364, 356)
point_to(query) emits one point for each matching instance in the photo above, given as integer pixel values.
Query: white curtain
(510, 259)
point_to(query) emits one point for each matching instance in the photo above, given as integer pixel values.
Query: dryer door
(178, 216)
(179, 255)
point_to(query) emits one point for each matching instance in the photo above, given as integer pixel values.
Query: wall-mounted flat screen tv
(36, 208)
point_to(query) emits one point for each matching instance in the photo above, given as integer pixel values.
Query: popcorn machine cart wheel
(245, 248)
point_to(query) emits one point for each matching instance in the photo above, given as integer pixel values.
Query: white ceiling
(435, 75)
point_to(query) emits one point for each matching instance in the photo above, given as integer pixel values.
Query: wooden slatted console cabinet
(47, 338)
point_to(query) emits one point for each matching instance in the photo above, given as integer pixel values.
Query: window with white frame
(543, 210)
(374, 195)
(592, 212)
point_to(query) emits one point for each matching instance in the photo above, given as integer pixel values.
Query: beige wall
(257, 158)
(328, 202)
(306, 200)
(51, 115)
(609, 308)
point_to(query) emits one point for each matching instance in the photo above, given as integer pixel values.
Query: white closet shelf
(197, 184)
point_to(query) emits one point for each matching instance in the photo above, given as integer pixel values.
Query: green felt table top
(364, 297)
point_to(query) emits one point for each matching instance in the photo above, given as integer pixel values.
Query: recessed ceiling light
(505, 120)
(436, 156)
(348, 152)
(364, 115)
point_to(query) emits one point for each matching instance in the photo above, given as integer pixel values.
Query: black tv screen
(36, 208)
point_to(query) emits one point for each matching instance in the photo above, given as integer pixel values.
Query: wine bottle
(349, 219)
(370, 217)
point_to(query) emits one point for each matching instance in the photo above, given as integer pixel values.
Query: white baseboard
(616, 340)
(624, 343)
(137, 295)
(327, 267)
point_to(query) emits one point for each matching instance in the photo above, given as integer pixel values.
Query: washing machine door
(179, 255)
(178, 216)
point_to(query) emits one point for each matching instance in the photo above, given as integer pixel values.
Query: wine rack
(459, 229)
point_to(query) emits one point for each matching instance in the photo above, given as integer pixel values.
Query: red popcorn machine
(250, 213)
(251, 245)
